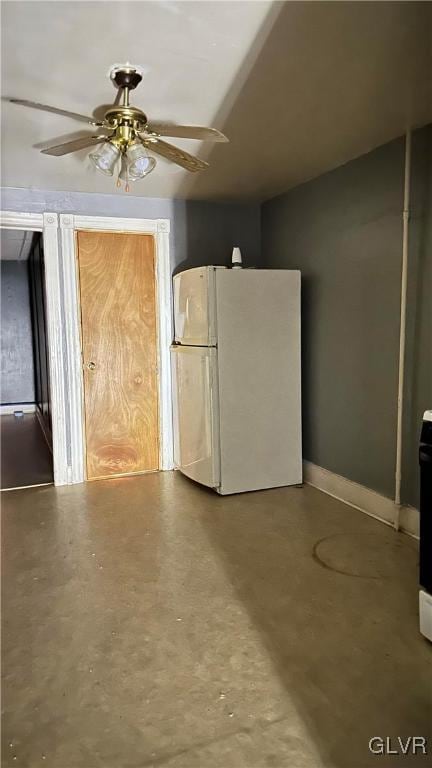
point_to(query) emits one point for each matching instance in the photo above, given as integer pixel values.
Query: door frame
(159, 229)
(47, 223)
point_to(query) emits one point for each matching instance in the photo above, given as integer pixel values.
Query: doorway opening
(25, 420)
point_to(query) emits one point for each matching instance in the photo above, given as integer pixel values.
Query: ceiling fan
(127, 134)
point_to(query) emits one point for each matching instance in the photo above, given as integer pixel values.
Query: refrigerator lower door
(194, 307)
(196, 413)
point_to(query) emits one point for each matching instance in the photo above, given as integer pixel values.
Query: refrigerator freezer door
(194, 307)
(196, 413)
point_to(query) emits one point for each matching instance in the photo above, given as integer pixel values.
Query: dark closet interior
(25, 424)
(36, 276)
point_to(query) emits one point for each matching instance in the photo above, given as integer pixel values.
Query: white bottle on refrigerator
(236, 378)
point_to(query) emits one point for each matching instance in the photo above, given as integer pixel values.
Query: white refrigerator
(236, 378)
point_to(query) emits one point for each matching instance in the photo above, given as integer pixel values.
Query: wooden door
(119, 347)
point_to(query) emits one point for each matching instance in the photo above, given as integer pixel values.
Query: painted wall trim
(159, 228)
(15, 220)
(73, 349)
(362, 498)
(47, 223)
(58, 374)
(403, 322)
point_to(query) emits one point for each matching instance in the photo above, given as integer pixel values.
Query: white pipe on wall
(402, 336)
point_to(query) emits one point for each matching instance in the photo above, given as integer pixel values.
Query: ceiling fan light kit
(105, 159)
(127, 134)
(140, 162)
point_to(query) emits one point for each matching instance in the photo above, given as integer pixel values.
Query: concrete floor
(149, 622)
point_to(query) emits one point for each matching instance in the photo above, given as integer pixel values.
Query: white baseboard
(10, 409)
(362, 498)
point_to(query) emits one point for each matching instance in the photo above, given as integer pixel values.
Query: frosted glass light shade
(139, 162)
(105, 159)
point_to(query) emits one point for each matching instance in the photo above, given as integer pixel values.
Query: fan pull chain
(118, 182)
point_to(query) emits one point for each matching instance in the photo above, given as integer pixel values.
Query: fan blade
(55, 110)
(186, 131)
(176, 155)
(55, 141)
(74, 146)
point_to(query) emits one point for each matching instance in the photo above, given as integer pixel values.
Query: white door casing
(159, 229)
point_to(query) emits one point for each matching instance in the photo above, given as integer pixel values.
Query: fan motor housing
(126, 116)
(126, 78)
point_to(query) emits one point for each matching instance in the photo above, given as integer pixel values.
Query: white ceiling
(299, 88)
(15, 244)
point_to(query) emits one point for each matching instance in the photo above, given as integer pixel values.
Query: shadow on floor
(334, 595)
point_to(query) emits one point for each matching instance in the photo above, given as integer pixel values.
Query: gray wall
(201, 232)
(16, 351)
(418, 392)
(343, 230)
